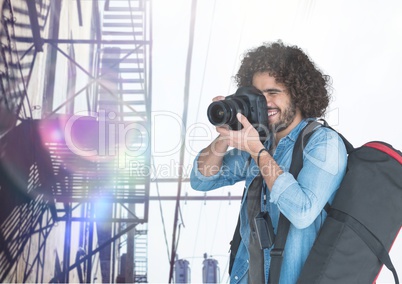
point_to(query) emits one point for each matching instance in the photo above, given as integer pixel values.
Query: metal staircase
(126, 21)
(54, 153)
(140, 254)
(120, 136)
(122, 94)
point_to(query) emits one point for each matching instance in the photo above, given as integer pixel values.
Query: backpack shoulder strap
(284, 224)
(368, 237)
(301, 143)
(349, 147)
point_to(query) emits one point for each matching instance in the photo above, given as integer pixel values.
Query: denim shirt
(301, 200)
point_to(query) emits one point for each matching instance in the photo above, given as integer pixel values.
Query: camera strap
(256, 273)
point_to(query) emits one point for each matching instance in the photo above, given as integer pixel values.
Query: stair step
(121, 50)
(123, 70)
(135, 103)
(129, 33)
(131, 81)
(116, 102)
(124, 9)
(131, 70)
(122, 25)
(133, 51)
(122, 17)
(124, 92)
(137, 113)
(123, 80)
(109, 61)
(141, 247)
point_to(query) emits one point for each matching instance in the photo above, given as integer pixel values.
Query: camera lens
(224, 112)
(219, 113)
(248, 101)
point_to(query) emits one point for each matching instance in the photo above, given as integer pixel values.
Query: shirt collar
(294, 133)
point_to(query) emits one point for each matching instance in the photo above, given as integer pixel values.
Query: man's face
(282, 112)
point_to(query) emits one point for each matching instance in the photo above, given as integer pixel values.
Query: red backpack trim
(386, 149)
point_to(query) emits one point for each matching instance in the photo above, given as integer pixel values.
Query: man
(296, 92)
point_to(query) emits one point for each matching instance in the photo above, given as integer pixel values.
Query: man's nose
(269, 100)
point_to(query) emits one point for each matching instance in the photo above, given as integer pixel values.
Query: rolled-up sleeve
(233, 169)
(324, 165)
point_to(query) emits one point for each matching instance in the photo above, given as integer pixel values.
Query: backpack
(362, 223)
(363, 220)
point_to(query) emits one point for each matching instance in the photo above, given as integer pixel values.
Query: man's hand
(218, 98)
(246, 139)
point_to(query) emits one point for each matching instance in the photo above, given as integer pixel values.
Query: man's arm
(210, 159)
(268, 167)
(324, 165)
(216, 166)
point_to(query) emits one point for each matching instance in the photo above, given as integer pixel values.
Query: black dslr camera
(247, 100)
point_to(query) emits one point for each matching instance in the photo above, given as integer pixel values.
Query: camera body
(247, 100)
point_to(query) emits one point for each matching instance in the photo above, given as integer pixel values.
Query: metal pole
(186, 96)
(67, 243)
(33, 18)
(130, 252)
(90, 244)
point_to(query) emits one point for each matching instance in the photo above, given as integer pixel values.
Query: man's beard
(286, 118)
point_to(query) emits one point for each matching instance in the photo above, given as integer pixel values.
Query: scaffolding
(86, 168)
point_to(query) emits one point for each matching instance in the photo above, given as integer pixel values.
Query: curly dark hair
(308, 87)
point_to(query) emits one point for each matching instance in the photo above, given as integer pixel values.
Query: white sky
(358, 43)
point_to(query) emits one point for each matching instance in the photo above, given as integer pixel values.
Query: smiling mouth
(272, 112)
